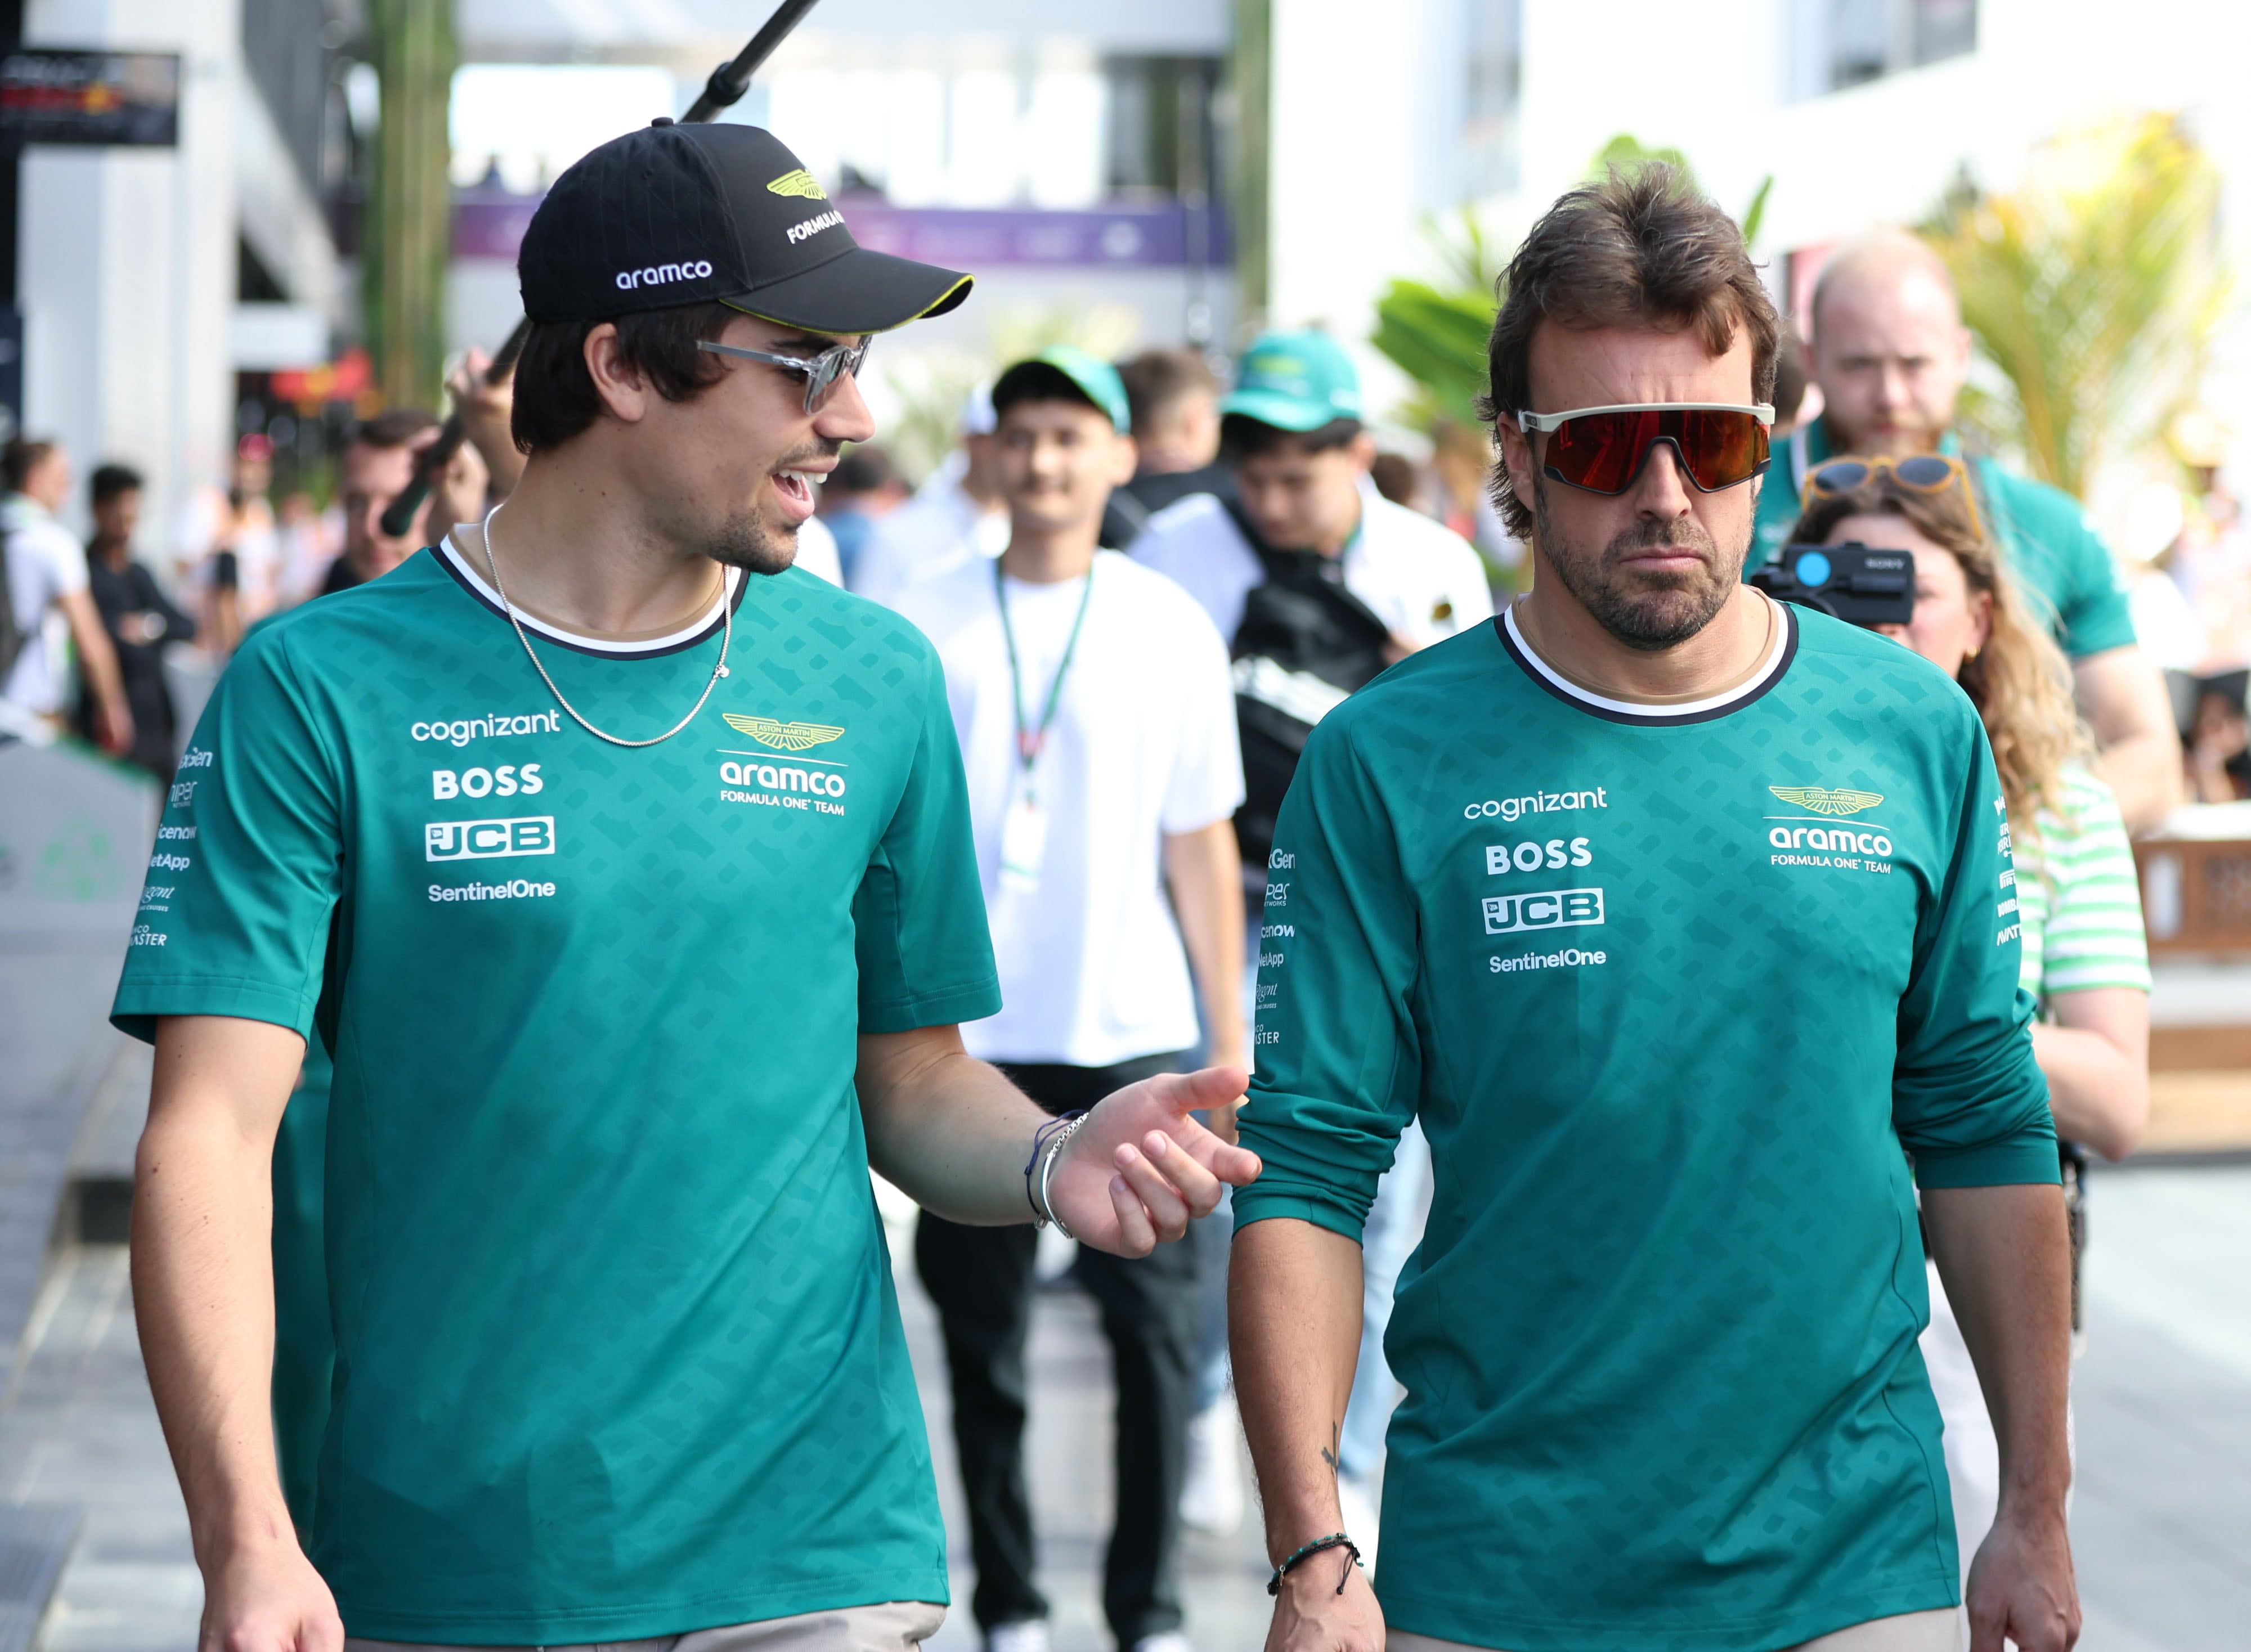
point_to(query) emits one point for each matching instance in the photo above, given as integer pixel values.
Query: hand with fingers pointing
(1140, 1168)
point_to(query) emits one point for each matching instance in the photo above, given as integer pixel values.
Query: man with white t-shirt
(1317, 583)
(1096, 726)
(957, 517)
(48, 606)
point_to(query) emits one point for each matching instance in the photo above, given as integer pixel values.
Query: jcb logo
(1555, 909)
(489, 840)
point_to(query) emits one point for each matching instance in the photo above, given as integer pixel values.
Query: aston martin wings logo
(784, 736)
(1820, 799)
(799, 183)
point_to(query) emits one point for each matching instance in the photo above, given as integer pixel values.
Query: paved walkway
(2162, 1522)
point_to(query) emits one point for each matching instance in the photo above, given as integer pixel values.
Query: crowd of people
(1474, 1048)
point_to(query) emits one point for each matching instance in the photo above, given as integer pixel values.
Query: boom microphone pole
(723, 91)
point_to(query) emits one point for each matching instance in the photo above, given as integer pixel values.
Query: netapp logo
(1555, 909)
(658, 275)
(813, 227)
(489, 840)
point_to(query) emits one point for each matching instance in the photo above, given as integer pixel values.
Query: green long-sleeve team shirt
(617, 1354)
(1670, 992)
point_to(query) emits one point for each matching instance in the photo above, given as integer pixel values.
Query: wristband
(1334, 1540)
(1046, 1143)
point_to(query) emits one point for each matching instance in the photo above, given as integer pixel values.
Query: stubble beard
(744, 542)
(1647, 611)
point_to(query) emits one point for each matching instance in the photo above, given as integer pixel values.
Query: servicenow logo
(658, 275)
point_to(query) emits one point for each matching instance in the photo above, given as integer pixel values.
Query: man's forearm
(1294, 1326)
(2005, 1256)
(97, 656)
(2143, 771)
(203, 1274)
(948, 1129)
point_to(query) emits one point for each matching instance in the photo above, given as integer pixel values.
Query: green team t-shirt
(2051, 546)
(617, 1354)
(1669, 993)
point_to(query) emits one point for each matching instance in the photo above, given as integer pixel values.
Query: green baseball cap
(1097, 380)
(1295, 381)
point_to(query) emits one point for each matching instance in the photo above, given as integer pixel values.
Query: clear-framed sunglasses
(820, 372)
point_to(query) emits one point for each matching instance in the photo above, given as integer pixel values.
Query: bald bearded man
(1890, 354)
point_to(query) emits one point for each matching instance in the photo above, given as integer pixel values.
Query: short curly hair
(1636, 248)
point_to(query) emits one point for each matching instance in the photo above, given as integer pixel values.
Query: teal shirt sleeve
(246, 866)
(2056, 554)
(1968, 1099)
(1339, 1060)
(925, 954)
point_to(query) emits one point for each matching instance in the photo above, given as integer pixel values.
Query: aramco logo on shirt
(783, 736)
(1823, 801)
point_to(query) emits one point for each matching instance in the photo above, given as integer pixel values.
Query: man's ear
(1128, 460)
(1363, 450)
(1513, 447)
(624, 393)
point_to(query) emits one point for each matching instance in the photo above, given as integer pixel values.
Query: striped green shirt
(2078, 897)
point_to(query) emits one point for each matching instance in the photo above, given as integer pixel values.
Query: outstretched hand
(1139, 1167)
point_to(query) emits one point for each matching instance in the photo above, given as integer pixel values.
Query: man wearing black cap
(625, 870)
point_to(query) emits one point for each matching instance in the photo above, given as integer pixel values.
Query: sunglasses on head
(820, 372)
(1604, 449)
(1918, 472)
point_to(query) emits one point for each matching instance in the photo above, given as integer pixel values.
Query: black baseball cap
(678, 214)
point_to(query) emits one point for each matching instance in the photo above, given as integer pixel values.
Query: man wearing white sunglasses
(1683, 924)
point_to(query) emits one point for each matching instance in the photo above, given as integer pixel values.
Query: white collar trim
(456, 554)
(1751, 686)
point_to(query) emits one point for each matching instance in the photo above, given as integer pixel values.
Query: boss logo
(1553, 909)
(489, 840)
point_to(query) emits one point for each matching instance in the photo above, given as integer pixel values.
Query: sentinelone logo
(658, 275)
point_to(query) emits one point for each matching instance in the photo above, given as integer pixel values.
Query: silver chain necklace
(726, 638)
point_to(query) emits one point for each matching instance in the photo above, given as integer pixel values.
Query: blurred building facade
(147, 279)
(1070, 156)
(1864, 112)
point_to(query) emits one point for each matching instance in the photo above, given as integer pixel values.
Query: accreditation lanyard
(1024, 829)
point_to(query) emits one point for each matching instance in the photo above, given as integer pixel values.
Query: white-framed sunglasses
(820, 372)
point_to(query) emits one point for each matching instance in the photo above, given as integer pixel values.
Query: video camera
(1856, 585)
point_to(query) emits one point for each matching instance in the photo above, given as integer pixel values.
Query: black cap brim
(861, 291)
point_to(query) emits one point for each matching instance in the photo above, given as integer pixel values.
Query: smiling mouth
(799, 486)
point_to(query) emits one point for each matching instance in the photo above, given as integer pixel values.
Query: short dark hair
(393, 427)
(863, 468)
(554, 396)
(109, 480)
(1156, 380)
(1037, 381)
(20, 457)
(1243, 437)
(1636, 248)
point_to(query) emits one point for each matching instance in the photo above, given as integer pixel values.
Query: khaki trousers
(897, 1626)
(1913, 1632)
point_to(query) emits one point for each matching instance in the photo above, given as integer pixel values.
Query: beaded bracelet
(1053, 1134)
(1334, 1540)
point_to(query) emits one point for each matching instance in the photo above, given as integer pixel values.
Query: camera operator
(1890, 353)
(2076, 899)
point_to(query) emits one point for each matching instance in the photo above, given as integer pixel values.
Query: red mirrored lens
(1603, 453)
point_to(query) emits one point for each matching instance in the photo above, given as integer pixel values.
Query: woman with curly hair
(2076, 896)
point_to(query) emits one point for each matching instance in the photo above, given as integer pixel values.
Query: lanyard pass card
(1023, 841)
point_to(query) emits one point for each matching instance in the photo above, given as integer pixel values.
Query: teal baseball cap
(1096, 379)
(1295, 381)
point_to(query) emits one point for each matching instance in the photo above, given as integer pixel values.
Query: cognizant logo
(1537, 803)
(658, 275)
(460, 730)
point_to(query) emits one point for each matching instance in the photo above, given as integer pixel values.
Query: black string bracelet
(1334, 1540)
